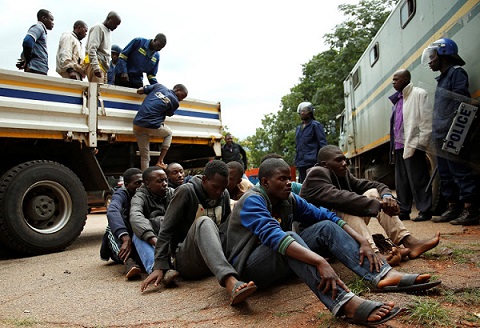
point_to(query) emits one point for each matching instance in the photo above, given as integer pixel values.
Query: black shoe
(467, 218)
(423, 216)
(105, 252)
(131, 269)
(453, 212)
(404, 217)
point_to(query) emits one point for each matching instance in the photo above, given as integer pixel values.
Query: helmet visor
(428, 55)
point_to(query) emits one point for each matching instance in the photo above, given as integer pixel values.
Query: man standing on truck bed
(138, 57)
(69, 54)
(457, 181)
(410, 132)
(98, 47)
(309, 138)
(35, 54)
(149, 121)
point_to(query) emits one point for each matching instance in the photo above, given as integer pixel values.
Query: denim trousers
(146, 252)
(267, 267)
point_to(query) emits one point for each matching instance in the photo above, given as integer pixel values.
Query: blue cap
(116, 48)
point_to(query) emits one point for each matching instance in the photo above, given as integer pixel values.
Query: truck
(62, 140)
(410, 28)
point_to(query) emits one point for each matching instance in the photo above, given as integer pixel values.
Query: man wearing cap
(457, 181)
(309, 138)
(138, 57)
(116, 50)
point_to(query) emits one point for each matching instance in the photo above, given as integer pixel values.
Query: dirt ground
(75, 288)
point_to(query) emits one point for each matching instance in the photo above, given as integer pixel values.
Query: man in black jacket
(233, 152)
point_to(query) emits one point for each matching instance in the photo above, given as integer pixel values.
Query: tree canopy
(321, 82)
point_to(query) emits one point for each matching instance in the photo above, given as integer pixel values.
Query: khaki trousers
(392, 225)
(143, 140)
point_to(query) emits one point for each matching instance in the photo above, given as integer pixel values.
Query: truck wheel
(43, 207)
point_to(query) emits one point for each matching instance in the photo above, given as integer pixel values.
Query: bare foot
(418, 247)
(394, 257)
(351, 306)
(404, 253)
(393, 278)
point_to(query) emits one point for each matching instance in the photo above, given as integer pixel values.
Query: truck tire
(43, 207)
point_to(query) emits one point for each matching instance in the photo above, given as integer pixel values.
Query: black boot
(469, 216)
(453, 211)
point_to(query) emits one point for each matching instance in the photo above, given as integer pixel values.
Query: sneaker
(423, 216)
(131, 269)
(467, 217)
(453, 212)
(404, 217)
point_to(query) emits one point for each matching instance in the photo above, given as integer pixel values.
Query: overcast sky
(244, 54)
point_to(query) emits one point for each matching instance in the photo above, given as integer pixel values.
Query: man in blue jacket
(149, 121)
(117, 240)
(273, 234)
(309, 138)
(458, 183)
(138, 57)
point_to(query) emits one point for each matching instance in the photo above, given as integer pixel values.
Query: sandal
(238, 296)
(363, 312)
(407, 284)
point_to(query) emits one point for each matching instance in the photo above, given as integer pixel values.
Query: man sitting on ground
(175, 175)
(261, 245)
(147, 212)
(237, 185)
(331, 185)
(117, 240)
(190, 230)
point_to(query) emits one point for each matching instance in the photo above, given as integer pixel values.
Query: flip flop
(241, 295)
(407, 284)
(363, 311)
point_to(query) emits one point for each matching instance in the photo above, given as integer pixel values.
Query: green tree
(322, 81)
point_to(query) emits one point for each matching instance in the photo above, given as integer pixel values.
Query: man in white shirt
(98, 48)
(69, 54)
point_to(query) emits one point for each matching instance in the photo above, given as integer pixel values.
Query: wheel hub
(41, 208)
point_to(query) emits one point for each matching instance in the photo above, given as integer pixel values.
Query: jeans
(146, 252)
(267, 267)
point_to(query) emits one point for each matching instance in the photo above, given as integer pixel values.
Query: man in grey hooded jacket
(147, 209)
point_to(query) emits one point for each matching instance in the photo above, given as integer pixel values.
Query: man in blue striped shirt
(34, 44)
